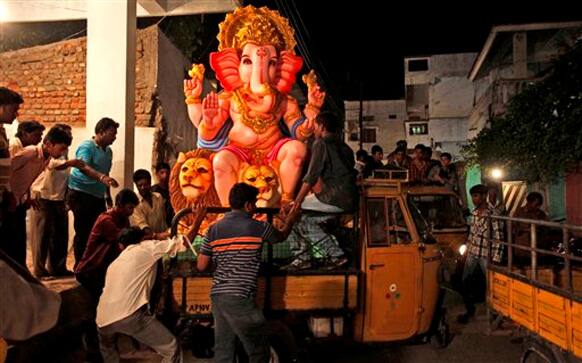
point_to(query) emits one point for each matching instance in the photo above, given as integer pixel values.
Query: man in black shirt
(328, 187)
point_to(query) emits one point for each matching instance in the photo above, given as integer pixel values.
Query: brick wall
(52, 81)
(51, 78)
(146, 75)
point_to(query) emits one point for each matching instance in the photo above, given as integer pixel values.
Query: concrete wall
(451, 94)
(450, 97)
(176, 132)
(479, 116)
(388, 130)
(416, 77)
(451, 65)
(451, 133)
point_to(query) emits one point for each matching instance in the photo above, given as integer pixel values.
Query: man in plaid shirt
(419, 167)
(474, 271)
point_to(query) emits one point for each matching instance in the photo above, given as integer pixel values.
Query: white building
(383, 123)
(512, 57)
(439, 100)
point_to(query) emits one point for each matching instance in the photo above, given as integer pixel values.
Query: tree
(194, 35)
(540, 135)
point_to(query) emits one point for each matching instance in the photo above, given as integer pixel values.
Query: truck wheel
(441, 336)
(538, 352)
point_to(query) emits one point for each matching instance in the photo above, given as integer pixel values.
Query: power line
(74, 34)
(301, 33)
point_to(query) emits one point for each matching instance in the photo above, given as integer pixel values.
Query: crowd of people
(38, 177)
(422, 168)
(117, 246)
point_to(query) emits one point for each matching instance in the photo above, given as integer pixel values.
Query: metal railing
(270, 270)
(400, 175)
(568, 231)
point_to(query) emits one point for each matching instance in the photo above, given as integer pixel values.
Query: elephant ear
(289, 65)
(225, 64)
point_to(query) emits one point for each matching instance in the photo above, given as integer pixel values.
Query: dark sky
(364, 40)
(350, 42)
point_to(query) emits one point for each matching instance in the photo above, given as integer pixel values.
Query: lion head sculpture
(192, 182)
(265, 179)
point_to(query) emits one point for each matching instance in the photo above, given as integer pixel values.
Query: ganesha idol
(253, 121)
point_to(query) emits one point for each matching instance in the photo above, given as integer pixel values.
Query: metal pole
(567, 268)
(510, 246)
(268, 275)
(533, 245)
(361, 115)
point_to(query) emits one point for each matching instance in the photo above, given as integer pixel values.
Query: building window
(392, 117)
(368, 118)
(369, 135)
(418, 129)
(418, 65)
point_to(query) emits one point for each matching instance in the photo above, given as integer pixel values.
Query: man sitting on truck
(234, 244)
(329, 187)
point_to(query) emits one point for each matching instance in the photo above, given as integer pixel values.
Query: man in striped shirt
(234, 245)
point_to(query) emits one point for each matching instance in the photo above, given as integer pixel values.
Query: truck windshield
(419, 220)
(440, 211)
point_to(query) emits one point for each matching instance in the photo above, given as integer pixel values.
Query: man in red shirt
(102, 246)
(102, 249)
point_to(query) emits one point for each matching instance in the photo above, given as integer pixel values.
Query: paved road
(471, 343)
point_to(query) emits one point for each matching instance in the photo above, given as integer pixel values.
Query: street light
(496, 173)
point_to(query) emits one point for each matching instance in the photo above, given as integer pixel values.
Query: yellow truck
(389, 292)
(543, 295)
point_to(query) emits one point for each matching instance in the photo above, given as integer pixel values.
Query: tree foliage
(194, 35)
(540, 135)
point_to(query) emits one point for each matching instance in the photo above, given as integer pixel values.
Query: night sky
(365, 41)
(350, 43)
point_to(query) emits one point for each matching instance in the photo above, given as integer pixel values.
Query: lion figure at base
(192, 186)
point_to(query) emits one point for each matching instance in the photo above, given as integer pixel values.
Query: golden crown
(260, 26)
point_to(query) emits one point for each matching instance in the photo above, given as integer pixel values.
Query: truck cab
(399, 263)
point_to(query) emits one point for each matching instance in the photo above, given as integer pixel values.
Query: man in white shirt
(25, 167)
(49, 221)
(123, 306)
